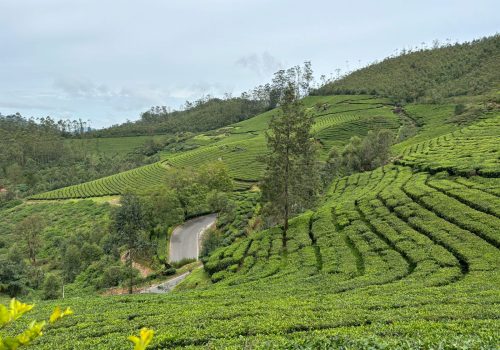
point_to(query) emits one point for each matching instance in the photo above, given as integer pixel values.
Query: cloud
(75, 87)
(263, 64)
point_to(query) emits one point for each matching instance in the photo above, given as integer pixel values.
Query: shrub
(52, 286)
(459, 109)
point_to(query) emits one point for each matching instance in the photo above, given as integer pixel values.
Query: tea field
(405, 256)
(241, 145)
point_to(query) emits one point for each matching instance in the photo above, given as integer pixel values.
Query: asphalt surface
(186, 238)
(166, 286)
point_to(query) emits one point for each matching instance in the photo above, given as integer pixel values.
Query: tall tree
(129, 225)
(291, 181)
(29, 230)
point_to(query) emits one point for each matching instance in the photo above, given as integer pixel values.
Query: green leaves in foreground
(15, 311)
(143, 340)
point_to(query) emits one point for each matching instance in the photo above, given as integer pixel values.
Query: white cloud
(262, 64)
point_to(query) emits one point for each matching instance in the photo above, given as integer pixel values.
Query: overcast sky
(107, 61)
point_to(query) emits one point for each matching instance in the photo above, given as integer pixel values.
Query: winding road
(186, 239)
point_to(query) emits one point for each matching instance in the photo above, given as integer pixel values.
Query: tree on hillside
(359, 155)
(216, 176)
(129, 225)
(290, 182)
(29, 231)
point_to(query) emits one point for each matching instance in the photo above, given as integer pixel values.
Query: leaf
(4, 316)
(58, 314)
(141, 342)
(17, 309)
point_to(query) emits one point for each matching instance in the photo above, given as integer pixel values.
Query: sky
(108, 61)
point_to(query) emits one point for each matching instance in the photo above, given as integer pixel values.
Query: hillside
(427, 74)
(240, 145)
(202, 115)
(406, 256)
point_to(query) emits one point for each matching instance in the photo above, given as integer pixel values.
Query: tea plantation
(405, 256)
(240, 145)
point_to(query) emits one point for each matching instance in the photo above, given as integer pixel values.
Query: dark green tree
(52, 286)
(29, 231)
(291, 181)
(130, 224)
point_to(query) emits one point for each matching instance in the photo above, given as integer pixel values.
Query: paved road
(186, 239)
(166, 286)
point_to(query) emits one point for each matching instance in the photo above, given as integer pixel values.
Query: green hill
(405, 256)
(402, 257)
(427, 74)
(240, 145)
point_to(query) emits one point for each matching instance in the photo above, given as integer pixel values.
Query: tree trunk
(131, 276)
(287, 179)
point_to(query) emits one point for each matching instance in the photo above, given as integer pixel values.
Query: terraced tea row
(471, 150)
(395, 248)
(242, 145)
(140, 178)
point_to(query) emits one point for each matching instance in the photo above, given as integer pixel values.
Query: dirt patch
(144, 271)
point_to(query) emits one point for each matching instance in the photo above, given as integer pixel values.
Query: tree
(129, 226)
(71, 262)
(29, 230)
(13, 273)
(359, 155)
(290, 182)
(216, 177)
(52, 286)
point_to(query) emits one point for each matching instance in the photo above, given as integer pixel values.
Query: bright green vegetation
(64, 217)
(391, 258)
(427, 74)
(39, 156)
(202, 115)
(241, 145)
(467, 151)
(405, 256)
(142, 178)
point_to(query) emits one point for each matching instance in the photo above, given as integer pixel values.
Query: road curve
(186, 238)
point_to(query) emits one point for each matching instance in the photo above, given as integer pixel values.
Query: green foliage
(202, 115)
(427, 74)
(241, 147)
(289, 184)
(359, 155)
(39, 156)
(130, 223)
(13, 273)
(32, 332)
(52, 286)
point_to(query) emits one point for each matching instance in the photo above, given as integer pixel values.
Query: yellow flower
(141, 342)
(58, 314)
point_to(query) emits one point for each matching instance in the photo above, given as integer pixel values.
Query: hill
(240, 145)
(405, 256)
(427, 75)
(202, 115)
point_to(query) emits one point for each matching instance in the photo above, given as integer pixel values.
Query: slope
(240, 145)
(427, 74)
(393, 258)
